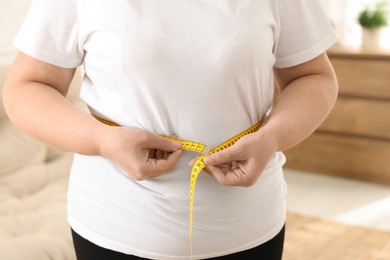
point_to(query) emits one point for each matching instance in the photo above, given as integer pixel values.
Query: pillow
(17, 149)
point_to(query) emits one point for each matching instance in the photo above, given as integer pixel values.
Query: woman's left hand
(242, 163)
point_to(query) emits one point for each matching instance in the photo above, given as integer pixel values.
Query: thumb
(164, 144)
(220, 157)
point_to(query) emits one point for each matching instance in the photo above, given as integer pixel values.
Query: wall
(343, 14)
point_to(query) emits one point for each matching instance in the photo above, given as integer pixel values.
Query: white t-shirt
(200, 69)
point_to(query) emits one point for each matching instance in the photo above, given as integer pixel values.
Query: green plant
(375, 16)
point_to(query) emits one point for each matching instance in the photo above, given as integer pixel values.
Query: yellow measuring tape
(199, 163)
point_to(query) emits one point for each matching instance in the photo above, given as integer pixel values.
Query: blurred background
(344, 15)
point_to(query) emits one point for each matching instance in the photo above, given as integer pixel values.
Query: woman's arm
(307, 94)
(34, 99)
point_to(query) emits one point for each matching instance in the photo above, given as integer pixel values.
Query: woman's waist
(208, 132)
(98, 174)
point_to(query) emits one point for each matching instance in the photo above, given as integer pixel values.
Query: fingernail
(207, 160)
(177, 145)
(191, 162)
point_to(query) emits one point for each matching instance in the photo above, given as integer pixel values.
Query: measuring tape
(199, 163)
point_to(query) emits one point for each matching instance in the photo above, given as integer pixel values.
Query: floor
(340, 199)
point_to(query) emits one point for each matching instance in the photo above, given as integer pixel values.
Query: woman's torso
(202, 70)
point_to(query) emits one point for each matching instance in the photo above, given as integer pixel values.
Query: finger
(159, 154)
(166, 154)
(160, 143)
(228, 175)
(217, 173)
(234, 165)
(152, 153)
(221, 157)
(191, 163)
(158, 166)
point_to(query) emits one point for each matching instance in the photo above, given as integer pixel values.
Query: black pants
(271, 250)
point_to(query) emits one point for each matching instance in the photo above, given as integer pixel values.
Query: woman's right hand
(34, 98)
(141, 154)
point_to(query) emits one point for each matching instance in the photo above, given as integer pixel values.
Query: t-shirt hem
(111, 245)
(271, 234)
(308, 54)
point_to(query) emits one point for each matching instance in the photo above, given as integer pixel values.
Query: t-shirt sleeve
(50, 32)
(305, 32)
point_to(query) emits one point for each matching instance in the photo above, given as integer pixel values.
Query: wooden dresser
(354, 141)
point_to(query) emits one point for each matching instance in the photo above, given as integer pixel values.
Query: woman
(195, 69)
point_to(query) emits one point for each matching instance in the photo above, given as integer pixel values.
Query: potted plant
(372, 19)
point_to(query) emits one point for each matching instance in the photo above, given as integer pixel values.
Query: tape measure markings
(199, 163)
(187, 145)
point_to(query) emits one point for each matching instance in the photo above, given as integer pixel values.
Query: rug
(310, 238)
